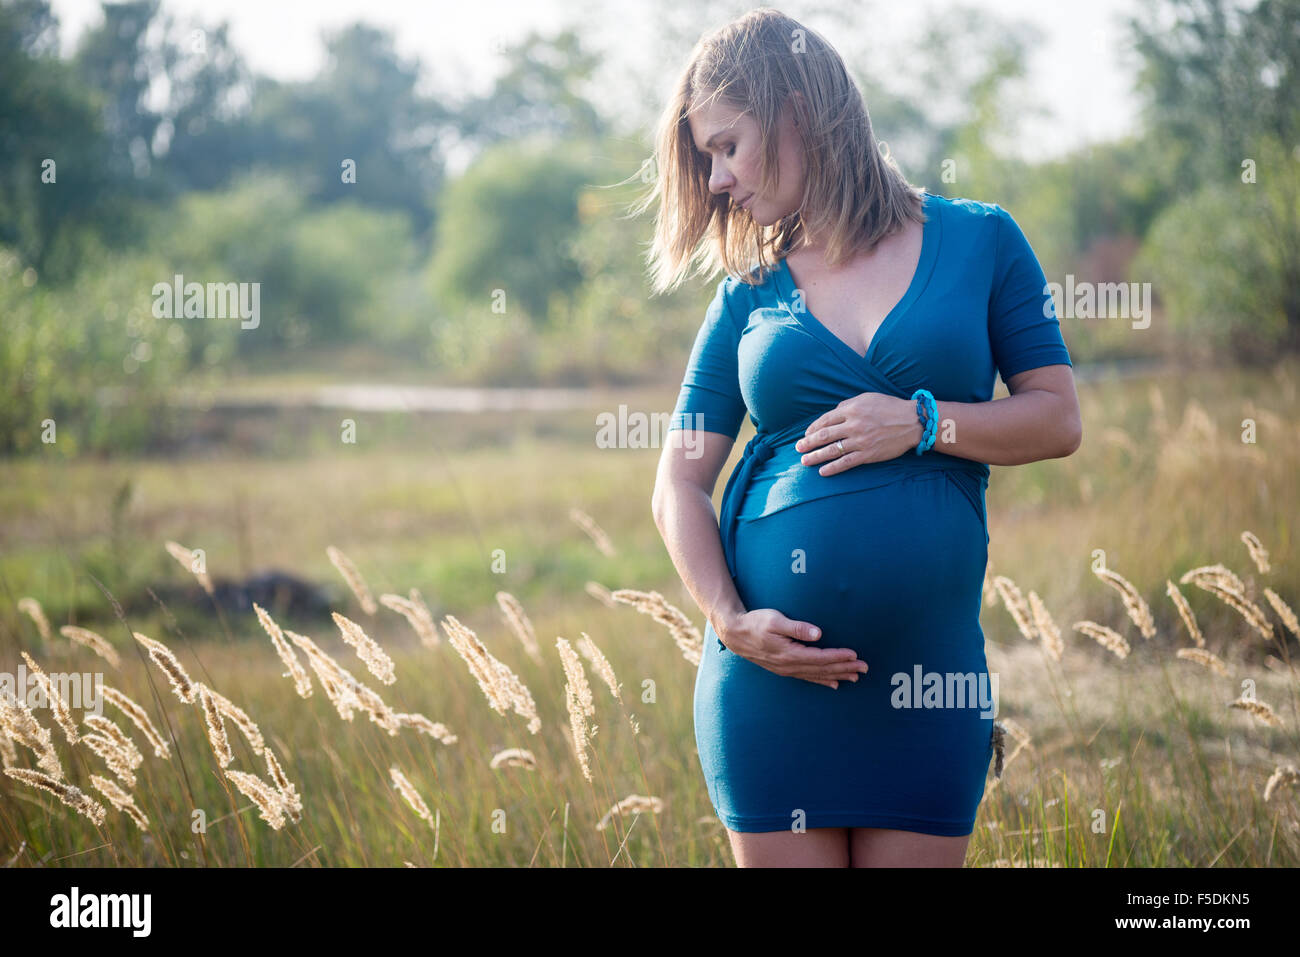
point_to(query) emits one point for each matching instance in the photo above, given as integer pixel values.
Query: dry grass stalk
(1286, 775)
(21, 726)
(513, 612)
(600, 664)
(1236, 599)
(1204, 658)
(301, 680)
(166, 661)
(1257, 709)
(632, 804)
(500, 685)
(345, 692)
(412, 796)
(988, 592)
(216, 726)
(109, 729)
(69, 794)
(269, 802)
(1159, 417)
(62, 714)
(120, 799)
(1185, 612)
(139, 718)
(32, 609)
(353, 578)
(687, 636)
(118, 761)
(187, 557)
(434, 729)
(1258, 554)
(328, 672)
(95, 642)
(415, 611)
(599, 592)
(1283, 611)
(1134, 603)
(1045, 626)
(8, 753)
(1111, 640)
(1015, 602)
(376, 660)
(577, 699)
(251, 732)
(594, 531)
(1216, 573)
(289, 798)
(515, 758)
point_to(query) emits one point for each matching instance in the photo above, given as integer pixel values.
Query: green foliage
(90, 356)
(506, 224)
(322, 270)
(1220, 260)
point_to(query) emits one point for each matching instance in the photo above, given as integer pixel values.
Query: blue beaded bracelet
(927, 410)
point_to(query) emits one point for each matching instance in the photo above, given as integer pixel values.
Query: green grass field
(1129, 762)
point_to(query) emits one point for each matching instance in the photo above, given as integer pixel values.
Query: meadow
(1118, 751)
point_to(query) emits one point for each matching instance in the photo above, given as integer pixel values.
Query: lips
(744, 204)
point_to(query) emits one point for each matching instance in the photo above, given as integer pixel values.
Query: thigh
(815, 847)
(885, 847)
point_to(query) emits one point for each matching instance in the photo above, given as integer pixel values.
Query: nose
(720, 179)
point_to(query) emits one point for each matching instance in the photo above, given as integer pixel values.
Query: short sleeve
(710, 399)
(1024, 332)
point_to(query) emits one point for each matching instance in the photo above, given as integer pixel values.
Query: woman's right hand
(775, 642)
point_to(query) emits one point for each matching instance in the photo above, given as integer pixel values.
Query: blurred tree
(363, 107)
(537, 93)
(54, 181)
(1221, 84)
(507, 224)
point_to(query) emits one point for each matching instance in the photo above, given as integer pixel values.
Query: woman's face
(732, 142)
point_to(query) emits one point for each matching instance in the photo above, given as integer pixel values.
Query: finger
(840, 463)
(821, 439)
(802, 656)
(801, 630)
(830, 674)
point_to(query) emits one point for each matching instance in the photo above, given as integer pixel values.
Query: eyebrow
(709, 143)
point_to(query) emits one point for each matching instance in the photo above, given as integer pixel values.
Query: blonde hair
(852, 194)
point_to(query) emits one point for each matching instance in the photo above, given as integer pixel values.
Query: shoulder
(741, 295)
(987, 226)
(971, 213)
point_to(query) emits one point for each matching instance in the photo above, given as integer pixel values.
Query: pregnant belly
(894, 572)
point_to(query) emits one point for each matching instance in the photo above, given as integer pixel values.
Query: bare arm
(683, 511)
(1040, 419)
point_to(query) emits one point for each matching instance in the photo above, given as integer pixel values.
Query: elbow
(1073, 438)
(657, 506)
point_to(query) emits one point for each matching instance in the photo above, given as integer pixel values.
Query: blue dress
(887, 558)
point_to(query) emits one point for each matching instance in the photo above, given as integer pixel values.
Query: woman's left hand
(872, 427)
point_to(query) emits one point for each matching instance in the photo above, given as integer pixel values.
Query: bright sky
(1079, 73)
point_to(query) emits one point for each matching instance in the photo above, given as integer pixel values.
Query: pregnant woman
(842, 704)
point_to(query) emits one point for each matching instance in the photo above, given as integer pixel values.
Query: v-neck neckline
(931, 231)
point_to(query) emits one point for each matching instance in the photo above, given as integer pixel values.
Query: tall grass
(1166, 535)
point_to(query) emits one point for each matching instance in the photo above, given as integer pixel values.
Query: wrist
(722, 619)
